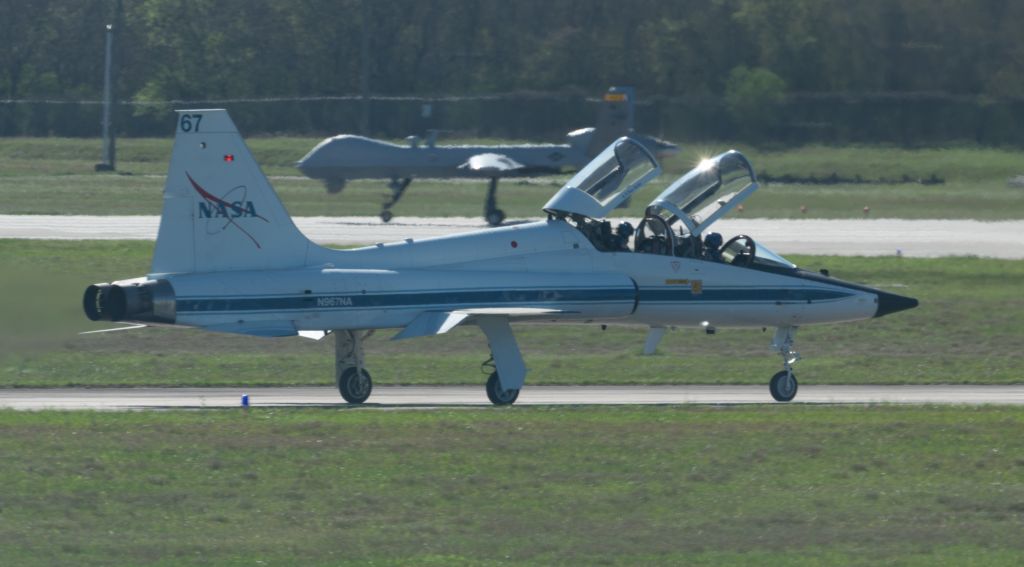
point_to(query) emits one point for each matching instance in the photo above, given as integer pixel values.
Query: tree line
(791, 71)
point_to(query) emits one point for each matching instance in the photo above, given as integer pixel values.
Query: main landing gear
(334, 186)
(492, 213)
(353, 380)
(498, 395)
(355, 384)
(398, 187)
(783, 385)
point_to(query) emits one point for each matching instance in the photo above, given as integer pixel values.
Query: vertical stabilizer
(614, 118)
(220, 212)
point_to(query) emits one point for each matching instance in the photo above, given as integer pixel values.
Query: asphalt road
(850, 237)
(412, 397)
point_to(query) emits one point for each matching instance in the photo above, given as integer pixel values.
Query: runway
(849, 237)
(422, 397)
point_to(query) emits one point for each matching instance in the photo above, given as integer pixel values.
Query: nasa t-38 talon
(228, 258)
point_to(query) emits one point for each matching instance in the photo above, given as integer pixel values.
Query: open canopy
(606, 182)
(707, 192)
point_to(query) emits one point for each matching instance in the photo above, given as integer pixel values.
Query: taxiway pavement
(412, 397)
(841, 237)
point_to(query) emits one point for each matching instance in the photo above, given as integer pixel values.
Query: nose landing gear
(783, 385)
(397, 187)
(492, 213)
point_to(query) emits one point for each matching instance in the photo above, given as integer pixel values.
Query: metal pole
(364, 71)
(108, 139)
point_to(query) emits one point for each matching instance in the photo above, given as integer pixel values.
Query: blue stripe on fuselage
(739, 295)
(459, 298)
(510, 297)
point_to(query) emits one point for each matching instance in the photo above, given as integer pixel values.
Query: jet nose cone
(666, 149)
(891, 303)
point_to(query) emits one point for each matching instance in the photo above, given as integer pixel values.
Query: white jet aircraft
(228, 258)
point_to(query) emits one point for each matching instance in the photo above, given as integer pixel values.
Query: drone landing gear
(783, 385)
(353, 380)
(397, 187)
(492, 213)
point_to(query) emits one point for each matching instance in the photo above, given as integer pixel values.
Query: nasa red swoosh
(217, 200)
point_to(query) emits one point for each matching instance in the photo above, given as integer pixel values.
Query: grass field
(967, 330)
(55, 176)
(558, 486)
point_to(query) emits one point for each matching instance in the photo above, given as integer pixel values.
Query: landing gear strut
(354, 382)
(783, 385)
(509, 373)
(492, 213)
(398, 187)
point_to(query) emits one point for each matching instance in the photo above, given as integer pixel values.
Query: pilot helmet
(713, 240)
(624, 229)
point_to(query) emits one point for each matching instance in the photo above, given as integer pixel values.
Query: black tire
(783, 390)
(355, 386)
(495, 217)
(386, 216)
(498, 396)
(334, 186)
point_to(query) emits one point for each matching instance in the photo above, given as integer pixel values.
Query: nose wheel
(397, 187)
(492, 213)
(783, 385)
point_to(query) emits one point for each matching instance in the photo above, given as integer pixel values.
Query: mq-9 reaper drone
(345, 157)
(228, 258)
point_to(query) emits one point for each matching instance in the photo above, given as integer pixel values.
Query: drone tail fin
(614, 118)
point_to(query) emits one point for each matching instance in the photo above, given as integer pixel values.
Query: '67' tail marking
(216, 208)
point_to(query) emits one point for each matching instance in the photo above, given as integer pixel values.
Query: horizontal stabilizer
(491, 164)
(128, 328)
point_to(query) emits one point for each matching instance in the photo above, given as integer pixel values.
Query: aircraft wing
(491, 165)
(438, 322)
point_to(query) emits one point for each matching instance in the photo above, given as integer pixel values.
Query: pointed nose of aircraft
(665, 149)
(892, 303)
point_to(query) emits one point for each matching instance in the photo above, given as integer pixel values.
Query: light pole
(108, 135)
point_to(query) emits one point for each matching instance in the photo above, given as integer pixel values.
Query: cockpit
(676, 223)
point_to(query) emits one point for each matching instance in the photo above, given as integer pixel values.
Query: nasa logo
(234, 209)
(225, 212)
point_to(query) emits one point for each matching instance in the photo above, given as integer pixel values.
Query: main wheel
(783, 386)
(386, 216)
(355, 385)
(334, 186)
(498, 396)
(495, 217)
